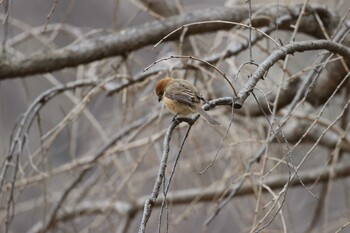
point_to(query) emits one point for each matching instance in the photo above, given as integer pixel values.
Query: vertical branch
(166, 190)
(250, 31)
(6, 24)
(149, 203)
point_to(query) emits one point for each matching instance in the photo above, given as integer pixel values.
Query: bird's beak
(160, 98)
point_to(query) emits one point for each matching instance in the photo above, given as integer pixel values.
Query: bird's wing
(186, 96)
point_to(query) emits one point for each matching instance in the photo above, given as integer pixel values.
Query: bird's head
(160, 87)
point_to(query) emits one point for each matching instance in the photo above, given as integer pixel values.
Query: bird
(182, 98)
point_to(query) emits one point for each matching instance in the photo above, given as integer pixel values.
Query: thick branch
(209, 194)
(131, 39)
(281, 53)
(149, 202)
(203, 194)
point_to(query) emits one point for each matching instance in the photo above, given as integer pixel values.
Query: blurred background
(59, 136)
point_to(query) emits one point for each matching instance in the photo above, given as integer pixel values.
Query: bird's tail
(206, 116)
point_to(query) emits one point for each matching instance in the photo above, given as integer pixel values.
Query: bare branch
(161, 172)
(281, 53)
(202, 194)
(131, 39)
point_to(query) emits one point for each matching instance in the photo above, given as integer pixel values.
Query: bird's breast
(177, 108)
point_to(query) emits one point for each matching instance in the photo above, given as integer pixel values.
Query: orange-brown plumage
(161, 85)
(181, 98)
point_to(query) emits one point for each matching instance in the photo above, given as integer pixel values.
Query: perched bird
(181, 98)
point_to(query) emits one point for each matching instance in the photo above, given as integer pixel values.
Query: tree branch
(281, 53)
(131, 39)
(200, 195)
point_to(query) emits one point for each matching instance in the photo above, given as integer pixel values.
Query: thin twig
(220, 146)
(164, 203)
(215, 22)
(197, 59)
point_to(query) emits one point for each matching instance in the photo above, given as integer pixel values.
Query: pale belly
(178, 108)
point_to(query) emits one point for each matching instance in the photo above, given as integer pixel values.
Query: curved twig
(197, 59)
(281, 53)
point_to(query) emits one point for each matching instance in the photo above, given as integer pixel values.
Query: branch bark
(131, 39)
(200, 195)
(281, 53)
